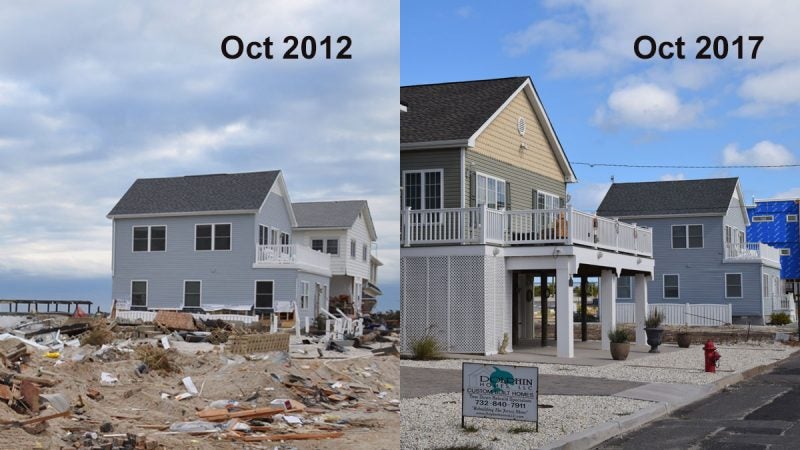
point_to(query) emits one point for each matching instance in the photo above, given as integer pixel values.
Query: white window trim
(149, 238)
(787, 250)
(258, 233)
(422, 196)
(664, 286)
(766, 217)
(793, 216)
(255, 293)
(741, 284)
(630, 288)
(353, 249)
(481, 174)
(546, 194)
(305, 291)
(364, 252)
(686, 226)
(146, 293)
(213, 236)
(183, 305)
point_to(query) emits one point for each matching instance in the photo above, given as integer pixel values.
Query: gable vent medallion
(521, 126)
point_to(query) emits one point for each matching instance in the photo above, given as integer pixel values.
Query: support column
(640, 311)
(608, 306)
(584, 331)
(544, 309)
(566, 346)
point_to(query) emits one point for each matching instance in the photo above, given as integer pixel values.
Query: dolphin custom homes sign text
(500, 392)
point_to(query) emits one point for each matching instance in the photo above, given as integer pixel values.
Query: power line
(669, 166)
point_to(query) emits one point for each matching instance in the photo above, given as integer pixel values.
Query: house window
(263, 235)
(687, 236)
(264, 293)
(212, 237)
(765, 285)
(624, 287)
(786, 251)
(490, 191)
(364, 252)
(422, 189)
(548, 201)
(672, 287)
(191, 294)
(332, 246)
(150, 238)
(767, 218)
(352, 248)
(138, 293)
(318, 245)
(791, 217)
(304, 287)
(733, 285)
(285, 239)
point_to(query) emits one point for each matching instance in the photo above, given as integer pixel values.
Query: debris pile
(183, 382)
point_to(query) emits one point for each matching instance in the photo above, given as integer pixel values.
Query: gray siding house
(699, 244)
(214, 242)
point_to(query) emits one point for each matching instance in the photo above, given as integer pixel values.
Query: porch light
(571, 283)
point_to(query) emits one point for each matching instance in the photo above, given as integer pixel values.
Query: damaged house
(215, 242)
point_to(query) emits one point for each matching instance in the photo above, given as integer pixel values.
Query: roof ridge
(465, 81)
(209, 175)
(674, 181)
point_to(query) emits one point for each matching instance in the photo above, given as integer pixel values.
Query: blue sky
(607, 105)
(95, 94)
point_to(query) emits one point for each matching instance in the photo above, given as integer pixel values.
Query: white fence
(148, 316)
(680, 313)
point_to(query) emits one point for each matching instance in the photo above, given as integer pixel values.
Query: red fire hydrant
(712, 356)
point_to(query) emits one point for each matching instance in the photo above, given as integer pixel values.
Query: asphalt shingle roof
(708, 196)
(337, 214)
(450, 111)
(197, 193)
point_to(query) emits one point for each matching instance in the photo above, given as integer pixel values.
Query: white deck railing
(752, 251)
(291, 254)
(520, 227)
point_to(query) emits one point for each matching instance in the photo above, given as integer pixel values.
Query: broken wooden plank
(30, 395)
(219, 415)
(289, 437)
(38, 380)
(35, 419)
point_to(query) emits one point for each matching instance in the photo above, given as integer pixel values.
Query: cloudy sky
(607, 105)
(95, 94)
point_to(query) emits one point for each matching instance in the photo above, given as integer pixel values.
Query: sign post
(497, 391)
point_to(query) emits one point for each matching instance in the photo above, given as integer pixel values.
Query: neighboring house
(213, 242)
(700, 244)
(774, 222)
(344, 230)
(486, 220)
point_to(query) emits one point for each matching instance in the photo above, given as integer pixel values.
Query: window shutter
(562, 203)
(535, 200)
(508, 195)
(473, 180)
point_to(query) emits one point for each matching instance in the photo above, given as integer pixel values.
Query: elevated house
(700, 241)
(486, 219)
(774, 222)
(345, 231)
(214, 242)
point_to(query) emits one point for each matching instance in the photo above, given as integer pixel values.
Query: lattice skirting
(460, 300)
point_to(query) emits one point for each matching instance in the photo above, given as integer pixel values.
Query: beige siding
(500, 140)
(447, 159)
(522, 181)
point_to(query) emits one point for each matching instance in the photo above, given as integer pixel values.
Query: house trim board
(232, 212)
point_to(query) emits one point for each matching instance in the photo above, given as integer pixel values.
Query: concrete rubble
(184, 382)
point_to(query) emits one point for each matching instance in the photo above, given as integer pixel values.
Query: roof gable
(241, 192)
(334, 214)
(667, 198)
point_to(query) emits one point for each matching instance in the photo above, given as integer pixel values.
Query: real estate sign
(500, 392)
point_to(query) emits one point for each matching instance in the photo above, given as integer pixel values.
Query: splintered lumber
(5, 393)
(221, 415)
(30, 395)
(35, 419)
(289, 437)
(38, 380)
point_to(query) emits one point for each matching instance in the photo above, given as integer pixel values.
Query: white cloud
(646, 105)
(550, 32)
(672, 177)
(791, 193)
(464, 12)
(767, 90)
(763, 153)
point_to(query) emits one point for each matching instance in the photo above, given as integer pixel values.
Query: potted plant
(619, 344)
(682, 337)
(652, 326)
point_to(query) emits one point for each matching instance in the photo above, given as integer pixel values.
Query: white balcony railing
(519, 227)
(292, 254)
(755, 251)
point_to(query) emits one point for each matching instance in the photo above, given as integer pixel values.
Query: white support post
(407, 225)
(640, 297)
(687, 316)
(274, 325)
(570, 225)
(308, 325)
(484, 225)
(608, 306)
(565, 341)
(296, 321)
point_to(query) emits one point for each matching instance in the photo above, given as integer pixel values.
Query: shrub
(98, 335)
(618, 336)
(426, 348)
(576, 317)
(156, 358)
(654, 319)
(779, 318)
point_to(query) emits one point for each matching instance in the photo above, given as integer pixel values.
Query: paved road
(421, 382)
(760, 413)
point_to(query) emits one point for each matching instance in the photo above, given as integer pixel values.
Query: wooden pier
(44, 306)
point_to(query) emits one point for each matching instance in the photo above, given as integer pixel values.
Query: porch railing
(291, 254)
(522, 227)
(752, 251)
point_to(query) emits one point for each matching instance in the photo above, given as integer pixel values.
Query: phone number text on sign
(500, 392)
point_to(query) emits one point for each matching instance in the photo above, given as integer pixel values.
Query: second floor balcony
(563, 226)
(292, 254)
(752, 251)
